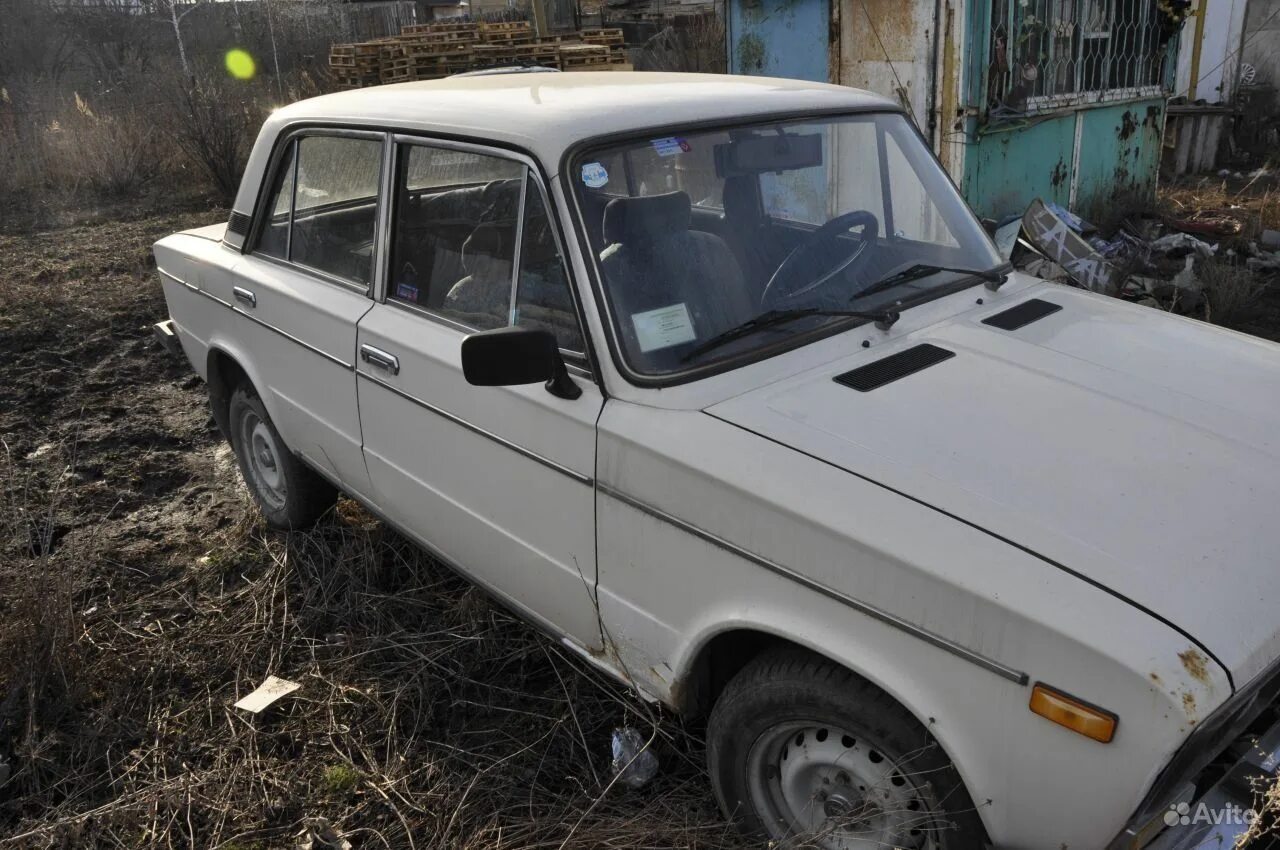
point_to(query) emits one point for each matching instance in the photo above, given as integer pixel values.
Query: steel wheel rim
(840, 789)
(263, 459)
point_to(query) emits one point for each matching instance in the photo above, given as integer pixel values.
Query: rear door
(303, 285)
(498, 480)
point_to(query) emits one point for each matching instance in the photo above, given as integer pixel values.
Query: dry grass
(427, 717)
(142, 598)
(1232, 292)
(1255, 201)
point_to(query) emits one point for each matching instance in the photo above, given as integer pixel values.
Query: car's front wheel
(288, 492)
(801, 747)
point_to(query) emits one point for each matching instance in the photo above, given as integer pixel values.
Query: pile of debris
(1203, 265)
(432, 51)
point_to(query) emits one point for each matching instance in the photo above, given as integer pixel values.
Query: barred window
(1046, 54)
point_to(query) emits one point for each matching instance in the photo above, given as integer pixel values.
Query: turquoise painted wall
(1119, 153)
(1008, 166)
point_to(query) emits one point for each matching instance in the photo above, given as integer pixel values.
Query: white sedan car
(718, 381)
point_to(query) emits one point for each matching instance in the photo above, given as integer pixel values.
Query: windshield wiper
(884, 320)
(993, 277)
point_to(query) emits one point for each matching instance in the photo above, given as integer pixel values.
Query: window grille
(1047, 54)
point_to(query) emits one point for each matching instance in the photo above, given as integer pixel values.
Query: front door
(497, 480)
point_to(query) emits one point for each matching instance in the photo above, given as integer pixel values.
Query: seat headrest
(647, 219)
(492, 241)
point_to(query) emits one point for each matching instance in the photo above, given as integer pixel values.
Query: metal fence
(1046, 54)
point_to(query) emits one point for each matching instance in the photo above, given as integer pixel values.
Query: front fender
(692, 512)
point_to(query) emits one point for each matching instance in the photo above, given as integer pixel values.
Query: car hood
(1137, 450)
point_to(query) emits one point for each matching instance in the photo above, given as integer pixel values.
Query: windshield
(699, 234)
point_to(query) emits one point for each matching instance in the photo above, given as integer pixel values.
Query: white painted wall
(1219, 50)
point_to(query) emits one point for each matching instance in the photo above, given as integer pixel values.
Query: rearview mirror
(768, 154)
(513, 356)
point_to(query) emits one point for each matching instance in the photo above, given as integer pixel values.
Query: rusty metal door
(779, 38)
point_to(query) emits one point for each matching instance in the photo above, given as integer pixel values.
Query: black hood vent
(1022, 314)
(895, 366)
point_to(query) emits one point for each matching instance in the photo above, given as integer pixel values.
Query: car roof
(548, 112)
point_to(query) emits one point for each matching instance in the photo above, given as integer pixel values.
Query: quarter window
(460, 232)
(324, 206)
(275, 232)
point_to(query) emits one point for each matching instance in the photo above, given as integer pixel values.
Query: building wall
(1082, 159)
(932, 56)
(1216, 74)
(1262, 41)
(779, 38)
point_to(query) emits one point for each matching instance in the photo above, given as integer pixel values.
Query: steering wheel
(783, 285)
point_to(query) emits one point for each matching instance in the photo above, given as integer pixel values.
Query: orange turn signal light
(1076, 715)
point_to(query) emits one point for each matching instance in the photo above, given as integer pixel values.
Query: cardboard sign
(1052, 236)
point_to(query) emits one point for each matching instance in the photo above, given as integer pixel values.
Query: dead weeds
(143, 597)
(1254, 200)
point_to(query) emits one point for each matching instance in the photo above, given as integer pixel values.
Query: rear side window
(454, 242)
(324, 207)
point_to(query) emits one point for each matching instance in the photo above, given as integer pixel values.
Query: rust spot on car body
(1189, 705)
(1196, 664)
(1155, 677)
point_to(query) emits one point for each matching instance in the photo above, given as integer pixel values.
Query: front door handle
(245, 297)
(381, 359)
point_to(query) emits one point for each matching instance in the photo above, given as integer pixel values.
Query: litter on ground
(1157, 262)
(267, 693)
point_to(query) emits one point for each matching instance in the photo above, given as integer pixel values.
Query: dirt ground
(141, 598)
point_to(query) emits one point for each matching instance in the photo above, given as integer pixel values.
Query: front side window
(835, 214)
(542, 296)
(324, 206)
(472, 242)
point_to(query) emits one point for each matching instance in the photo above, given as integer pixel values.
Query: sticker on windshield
(594, 175)
(670, 146)
(663, 328)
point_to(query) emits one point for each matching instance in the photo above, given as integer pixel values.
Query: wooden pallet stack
(435, 50)
(610, 38)
(356, 65)
(508, 33)
(584, 57)
(439, 49)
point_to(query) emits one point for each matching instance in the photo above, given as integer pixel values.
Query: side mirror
(512, 356)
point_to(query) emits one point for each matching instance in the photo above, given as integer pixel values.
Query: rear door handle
(244, 296)
(381, 359)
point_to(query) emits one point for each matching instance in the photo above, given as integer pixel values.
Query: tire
(799, 746)
(288, 492)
